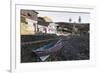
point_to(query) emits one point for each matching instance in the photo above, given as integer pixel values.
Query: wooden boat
(45, 51)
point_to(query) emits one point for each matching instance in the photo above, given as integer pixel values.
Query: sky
(64, 16)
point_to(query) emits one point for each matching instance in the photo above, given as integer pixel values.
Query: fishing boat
(44, 52)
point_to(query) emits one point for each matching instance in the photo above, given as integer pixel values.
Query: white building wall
(32, 24)
(41, 28)
(52, 28)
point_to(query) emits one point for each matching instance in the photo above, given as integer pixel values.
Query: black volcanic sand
(74, 48)
(26, 50)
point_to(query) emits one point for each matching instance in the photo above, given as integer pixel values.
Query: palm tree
(79, 19)
(70, 19)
